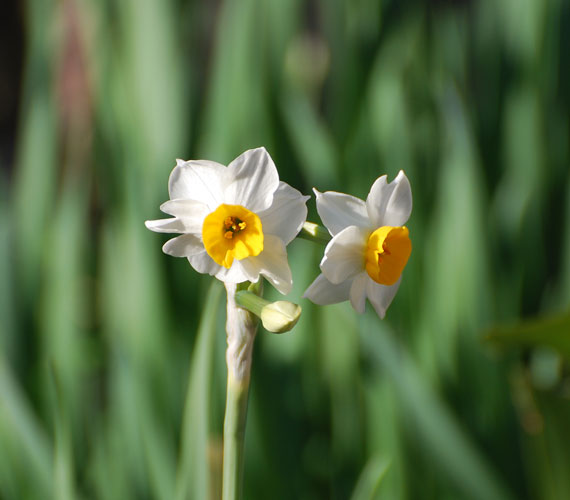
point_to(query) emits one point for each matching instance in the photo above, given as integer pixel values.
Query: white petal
(358, 292)
(339, 210)
(204, 264)
(166, 226)
(271, 263)
(183, 246)
(238, 273)
(190, 212)
(184, 208)
(198, 180)
(286, 215)
(251, 179)
(390, 204)
(344, 254)
(381, 296)
(322, 292)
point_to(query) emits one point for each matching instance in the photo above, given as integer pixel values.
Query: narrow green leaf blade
(193, 476)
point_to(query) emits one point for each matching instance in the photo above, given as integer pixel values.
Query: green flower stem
(315, 233)
(234, 434)
(244, 306)
(241, 326)
(251, 302)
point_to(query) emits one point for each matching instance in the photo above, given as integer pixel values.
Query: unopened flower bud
(280, 316)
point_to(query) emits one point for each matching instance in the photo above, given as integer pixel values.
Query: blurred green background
(112, 374)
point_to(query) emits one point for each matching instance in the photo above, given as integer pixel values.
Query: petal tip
(309, 295)
(382, 179)
(166, 247)
(381, 314)
(151, 224)
(260, 149)
(401, 176)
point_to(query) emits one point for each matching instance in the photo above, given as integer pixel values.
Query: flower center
(232, 232)
(233, 225)
(387, 253)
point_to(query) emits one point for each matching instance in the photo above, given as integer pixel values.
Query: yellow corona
(387, 252)
(232, 232)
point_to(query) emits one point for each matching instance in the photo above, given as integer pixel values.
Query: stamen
(233, 225)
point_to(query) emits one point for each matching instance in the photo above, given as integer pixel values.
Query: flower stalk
(241, 327)
(234, 437)
(315, 233)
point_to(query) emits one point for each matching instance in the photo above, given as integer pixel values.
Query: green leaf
(64, 487)
(193, 476)
(370, 478)
(438, 432)
(26, 462)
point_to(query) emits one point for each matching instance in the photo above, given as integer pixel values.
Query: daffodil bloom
(370, 245)
(234, 221)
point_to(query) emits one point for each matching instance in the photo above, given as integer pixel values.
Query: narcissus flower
(235, 221)
(370, 245)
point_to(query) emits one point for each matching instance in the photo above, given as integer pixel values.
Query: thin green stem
(315, 233)
(234, 434)
(251, 301)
